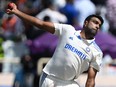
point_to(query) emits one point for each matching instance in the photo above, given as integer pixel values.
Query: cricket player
(75, 53)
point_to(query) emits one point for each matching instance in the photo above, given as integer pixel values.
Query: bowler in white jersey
(76, 51)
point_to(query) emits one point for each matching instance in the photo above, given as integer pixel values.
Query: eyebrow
(97, 21)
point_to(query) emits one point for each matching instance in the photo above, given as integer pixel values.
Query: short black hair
(97, 16)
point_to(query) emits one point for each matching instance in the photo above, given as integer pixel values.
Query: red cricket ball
(10, 5)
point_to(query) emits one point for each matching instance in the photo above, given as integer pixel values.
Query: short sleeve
(96, 61)
(62, 28)
(58, 29)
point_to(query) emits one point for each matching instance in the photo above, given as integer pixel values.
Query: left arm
(91, 77)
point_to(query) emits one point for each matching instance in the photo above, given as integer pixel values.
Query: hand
(11, 8)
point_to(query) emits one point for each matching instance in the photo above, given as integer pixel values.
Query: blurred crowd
(20, 41)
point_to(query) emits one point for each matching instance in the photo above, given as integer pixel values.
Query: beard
(89, 32)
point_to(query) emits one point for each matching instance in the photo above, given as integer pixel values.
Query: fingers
(10, 8)
(8, 11)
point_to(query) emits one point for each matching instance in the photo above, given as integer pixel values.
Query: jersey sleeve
(96, 61)
(62, 28)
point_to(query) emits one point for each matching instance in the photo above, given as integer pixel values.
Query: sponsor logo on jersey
(76, 51)
(71, 38)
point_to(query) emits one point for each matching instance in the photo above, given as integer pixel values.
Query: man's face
(92, 26)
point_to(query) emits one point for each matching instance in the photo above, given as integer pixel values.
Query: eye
(96, 22)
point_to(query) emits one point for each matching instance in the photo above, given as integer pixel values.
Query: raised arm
(91, 77)
(47, 26)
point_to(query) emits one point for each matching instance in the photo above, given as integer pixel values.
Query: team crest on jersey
(87, 49)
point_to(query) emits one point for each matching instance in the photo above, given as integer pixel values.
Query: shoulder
(64, 26)
(96, 47)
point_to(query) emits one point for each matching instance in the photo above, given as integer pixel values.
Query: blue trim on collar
(79, 37)
(88, 41)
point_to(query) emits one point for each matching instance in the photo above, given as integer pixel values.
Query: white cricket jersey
(73, 54)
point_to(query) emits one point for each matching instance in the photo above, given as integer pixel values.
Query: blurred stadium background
(24, 49)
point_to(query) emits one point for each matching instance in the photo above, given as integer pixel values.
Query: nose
(97, 26)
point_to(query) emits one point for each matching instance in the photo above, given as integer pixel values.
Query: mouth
(95, 29)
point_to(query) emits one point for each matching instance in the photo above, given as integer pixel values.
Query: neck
(84, 35)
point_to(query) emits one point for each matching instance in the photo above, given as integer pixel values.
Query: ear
(85, 23)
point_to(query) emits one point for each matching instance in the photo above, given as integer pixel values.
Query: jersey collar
(77, 33)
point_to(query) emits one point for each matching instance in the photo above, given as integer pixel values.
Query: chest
(78, 47)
